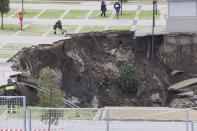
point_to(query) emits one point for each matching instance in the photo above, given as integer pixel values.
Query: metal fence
(150, 119)
(60, 119)
(194, 126)
(12, 113)
(101, 119)
(113, 119)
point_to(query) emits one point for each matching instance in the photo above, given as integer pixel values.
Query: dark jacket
(117, 5)
(103, 6)
(57, 24)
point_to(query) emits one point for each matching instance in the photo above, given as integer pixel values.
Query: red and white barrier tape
(35, 129)
(45, 129)
(10, 129)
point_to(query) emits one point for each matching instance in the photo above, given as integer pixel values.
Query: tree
(51, 96)
(127, 79)
(48, 81)
(4, 8)
(122, 1)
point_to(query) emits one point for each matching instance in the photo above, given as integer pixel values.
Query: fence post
(187, 119)
(192, 126)
(24, 109)
(29, 119)
(107, 120)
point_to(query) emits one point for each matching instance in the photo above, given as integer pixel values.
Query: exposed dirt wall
(84, 61)
(180, 52)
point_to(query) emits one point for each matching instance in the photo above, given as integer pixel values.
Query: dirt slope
(84, 61)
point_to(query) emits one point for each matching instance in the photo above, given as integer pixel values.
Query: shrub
(127, 78)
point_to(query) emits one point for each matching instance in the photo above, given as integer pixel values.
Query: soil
(84, 61)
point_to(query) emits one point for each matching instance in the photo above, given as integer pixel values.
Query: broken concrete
(183, 84)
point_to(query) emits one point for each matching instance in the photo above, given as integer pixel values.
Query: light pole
(153, 39)
(22, 5)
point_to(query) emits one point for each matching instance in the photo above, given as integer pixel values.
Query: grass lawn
(148, 14)
(119, 28)
(14, 46)
(7, 53)
(9, 29)
(126, 15)
(12, 11)
(34, 30)
(70, 30)
(91, 29)
(76, 14)
(2, 109)
(72, 114)
(11, 49)
(52, 14)
(80, 114)
(97, 14)
(29, 13)
(19, 113)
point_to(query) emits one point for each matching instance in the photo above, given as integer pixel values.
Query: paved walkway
(82, 22)
(95, 6)
(32, 40)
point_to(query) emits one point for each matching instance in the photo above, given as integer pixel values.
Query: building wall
(179, 9)
(182, 16)
(182, 24)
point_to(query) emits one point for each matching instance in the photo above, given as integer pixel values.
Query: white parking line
(111, 17)
(13, 14)
(80, 27)
(136, 19)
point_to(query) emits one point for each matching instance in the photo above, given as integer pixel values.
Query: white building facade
(182, 16)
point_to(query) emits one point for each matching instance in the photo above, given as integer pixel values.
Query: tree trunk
(1, 20)
(50, 111)
(50, 122)
(121, 7)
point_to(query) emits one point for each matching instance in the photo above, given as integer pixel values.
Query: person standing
(103, 8)
(10, 90)
(117, 8)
